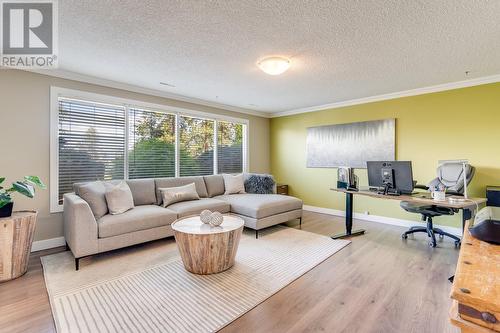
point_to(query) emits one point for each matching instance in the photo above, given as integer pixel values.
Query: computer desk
(467, 207)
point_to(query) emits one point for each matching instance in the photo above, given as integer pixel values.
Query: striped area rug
(146, 288)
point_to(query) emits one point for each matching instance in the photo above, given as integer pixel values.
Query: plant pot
(6, 211)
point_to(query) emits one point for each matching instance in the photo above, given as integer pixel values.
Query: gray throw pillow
(119, 198)
(171, 195)
(259, 184)
(94, 194)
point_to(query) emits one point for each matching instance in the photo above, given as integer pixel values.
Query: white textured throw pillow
(119, 198)
(234, 184)
(171, 195)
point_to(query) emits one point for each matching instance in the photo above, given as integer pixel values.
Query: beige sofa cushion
(143, 191)
(195, 207)
(140, 218)
(234, 184)
(260, 205)
(171, 195)
(214, 184)
(118, 197)
(180, 181)
(94, 193)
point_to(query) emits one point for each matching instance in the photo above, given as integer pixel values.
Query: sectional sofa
(90, 231)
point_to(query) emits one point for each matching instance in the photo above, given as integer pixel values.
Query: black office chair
(451, 176)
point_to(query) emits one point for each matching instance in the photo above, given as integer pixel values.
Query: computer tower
(493, 196)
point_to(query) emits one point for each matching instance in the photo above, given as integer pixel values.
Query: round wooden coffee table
(205, 249)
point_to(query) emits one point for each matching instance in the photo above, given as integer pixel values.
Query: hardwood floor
(379, 283)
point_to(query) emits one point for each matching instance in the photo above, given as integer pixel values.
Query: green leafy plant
(25, 187)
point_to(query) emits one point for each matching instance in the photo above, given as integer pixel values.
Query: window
(229, 147)
(96, 137)
(151, 150)
(91, 143)
(196, 143)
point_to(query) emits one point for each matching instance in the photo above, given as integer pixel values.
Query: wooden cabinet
(476, 287)
(282, 189)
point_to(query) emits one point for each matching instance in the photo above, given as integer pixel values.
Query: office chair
(451, 176)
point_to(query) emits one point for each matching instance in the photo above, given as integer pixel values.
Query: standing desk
(467, 207)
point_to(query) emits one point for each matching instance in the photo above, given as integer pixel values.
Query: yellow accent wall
(454, 124)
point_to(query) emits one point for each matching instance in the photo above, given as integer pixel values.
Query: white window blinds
(91, 143)
(229, 147)
(151, 149)
(111, 138)
(196, 146)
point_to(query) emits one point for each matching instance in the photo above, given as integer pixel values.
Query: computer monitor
(391, 177)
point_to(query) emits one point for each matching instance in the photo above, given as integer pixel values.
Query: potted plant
(25, 187)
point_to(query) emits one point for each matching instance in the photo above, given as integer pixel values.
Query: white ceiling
(340, 50)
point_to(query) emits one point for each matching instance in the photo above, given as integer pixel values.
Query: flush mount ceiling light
(274, 65)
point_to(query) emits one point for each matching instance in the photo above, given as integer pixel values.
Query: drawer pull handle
(488, 317)
(471, 312)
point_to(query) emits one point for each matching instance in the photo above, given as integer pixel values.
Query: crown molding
(158, 93)
(63, 74)
(405, 93)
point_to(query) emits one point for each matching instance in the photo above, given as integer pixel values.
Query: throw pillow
(119, 198)
(234, 184)
(94, 194)
(171, 195)
(259, 184)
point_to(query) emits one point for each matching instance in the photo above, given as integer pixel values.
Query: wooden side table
(282, 189)
(16, 237)
(205, 249)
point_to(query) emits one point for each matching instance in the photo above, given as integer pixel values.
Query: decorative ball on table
(216, 219)
(205, 216)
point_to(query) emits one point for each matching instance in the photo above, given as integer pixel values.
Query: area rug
(146, 288)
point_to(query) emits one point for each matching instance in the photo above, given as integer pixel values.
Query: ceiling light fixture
(274, 65)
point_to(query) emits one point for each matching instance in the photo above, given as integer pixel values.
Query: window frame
(57, 92)
(244, 142)
(127, 137)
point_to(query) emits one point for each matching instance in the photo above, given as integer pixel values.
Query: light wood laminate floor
(379, 283)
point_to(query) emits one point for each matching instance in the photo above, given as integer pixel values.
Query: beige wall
(24, 135)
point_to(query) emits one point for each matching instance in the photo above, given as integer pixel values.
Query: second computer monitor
(397, 175)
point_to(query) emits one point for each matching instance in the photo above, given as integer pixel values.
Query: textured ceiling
(340, 50)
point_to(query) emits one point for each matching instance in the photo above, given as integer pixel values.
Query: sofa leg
(256, 234)
(300, 222)
(77, 263)
(67, 247)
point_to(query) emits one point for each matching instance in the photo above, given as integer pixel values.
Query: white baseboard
(379, 219)
(48, 244)
(60, 241)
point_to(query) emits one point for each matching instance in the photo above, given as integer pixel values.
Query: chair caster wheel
(457, 244)
(441, 236)
(404, 236)
(432, 244)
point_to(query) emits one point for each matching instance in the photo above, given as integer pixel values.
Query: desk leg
(348, 219)
(466, 215)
